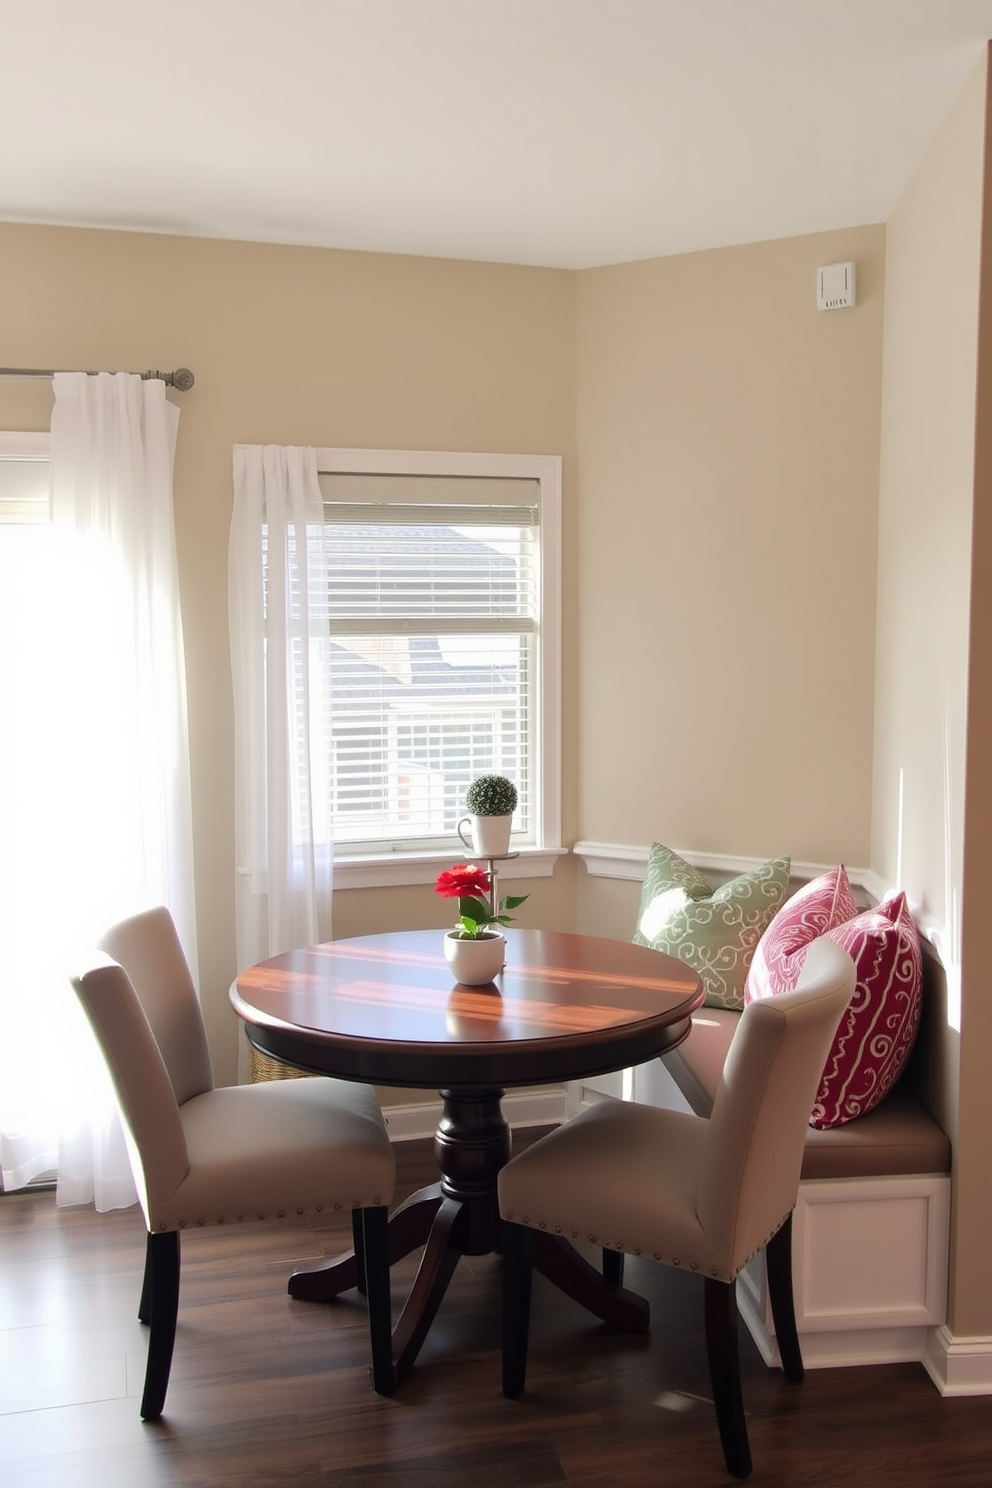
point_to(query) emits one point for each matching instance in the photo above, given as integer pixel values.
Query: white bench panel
(869, 1271)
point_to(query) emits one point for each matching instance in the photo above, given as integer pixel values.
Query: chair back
(757, 1131)
(148, 948)
(148, 1106)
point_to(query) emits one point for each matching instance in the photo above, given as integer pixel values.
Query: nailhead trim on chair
(202, 1223)
(525, 1219)
(619, 1245)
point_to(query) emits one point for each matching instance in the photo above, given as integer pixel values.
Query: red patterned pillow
(819, 906)
(879, 1028)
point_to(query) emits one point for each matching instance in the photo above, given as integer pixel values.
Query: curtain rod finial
(182, 379)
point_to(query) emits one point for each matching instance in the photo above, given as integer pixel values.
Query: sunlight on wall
(950, 941)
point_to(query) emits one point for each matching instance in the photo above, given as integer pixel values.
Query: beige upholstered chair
(206, 1156)
(703, 1195)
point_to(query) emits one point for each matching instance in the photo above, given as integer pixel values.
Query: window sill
(392, 870)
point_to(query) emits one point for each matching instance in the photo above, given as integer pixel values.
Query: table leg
(460, 1216)
(471, 1144)
(573, 1275)
(455, 1217)
(409, 1228)
(444, 1250)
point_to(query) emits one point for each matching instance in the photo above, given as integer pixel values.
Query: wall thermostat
(835, 287)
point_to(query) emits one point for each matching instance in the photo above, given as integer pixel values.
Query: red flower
(464, 881)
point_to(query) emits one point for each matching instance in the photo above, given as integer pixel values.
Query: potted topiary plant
(491, 800)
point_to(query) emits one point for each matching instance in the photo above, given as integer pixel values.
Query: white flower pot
(475, 963)
(489, 836)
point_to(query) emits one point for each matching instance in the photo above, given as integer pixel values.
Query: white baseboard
(958, 1366)
(521, 1108)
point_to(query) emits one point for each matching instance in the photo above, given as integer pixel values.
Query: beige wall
(294, 345)
(728, 446)
(932, 729)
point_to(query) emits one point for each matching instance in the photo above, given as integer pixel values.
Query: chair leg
(725, 1374)
(371, 1230)
(145, 1300)
(357, 1232)
(161, 1306)
(613, 1267)
(778, 1262)
(518, 1246)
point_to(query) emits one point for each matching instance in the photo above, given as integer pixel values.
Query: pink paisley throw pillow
(878, 1030)
(819, 906)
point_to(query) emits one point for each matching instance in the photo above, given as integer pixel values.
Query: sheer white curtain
(277, 588)
(94, 772)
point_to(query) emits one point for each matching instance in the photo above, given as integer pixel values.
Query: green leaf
(475, 909)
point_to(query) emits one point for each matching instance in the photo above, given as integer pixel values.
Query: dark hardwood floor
(266, 1390)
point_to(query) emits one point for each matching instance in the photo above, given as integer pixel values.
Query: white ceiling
(560, 132)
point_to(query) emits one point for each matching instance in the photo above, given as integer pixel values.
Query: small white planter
(489, 836)
(475, 963)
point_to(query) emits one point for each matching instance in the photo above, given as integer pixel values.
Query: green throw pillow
(714, 931)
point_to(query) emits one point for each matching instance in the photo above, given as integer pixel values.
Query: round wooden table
(382, 1009)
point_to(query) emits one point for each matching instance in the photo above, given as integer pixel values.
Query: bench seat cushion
(897, 1138)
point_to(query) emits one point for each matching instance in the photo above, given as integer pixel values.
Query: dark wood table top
(384, 1009)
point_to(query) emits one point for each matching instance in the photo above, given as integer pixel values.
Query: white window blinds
(432, 602)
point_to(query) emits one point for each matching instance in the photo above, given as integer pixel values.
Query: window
(442, 599)
(24, 494)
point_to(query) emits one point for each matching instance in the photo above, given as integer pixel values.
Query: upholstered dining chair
(703, 1195)
(203, 1155)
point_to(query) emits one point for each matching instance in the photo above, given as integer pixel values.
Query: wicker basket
(261, 1067)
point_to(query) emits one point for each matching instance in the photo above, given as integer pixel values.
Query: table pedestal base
(460, 1216)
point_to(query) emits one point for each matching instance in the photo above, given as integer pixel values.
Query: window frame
(397, 867)
(18, 444)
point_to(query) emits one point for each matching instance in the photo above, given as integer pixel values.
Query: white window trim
(368, 871)
(16, 444)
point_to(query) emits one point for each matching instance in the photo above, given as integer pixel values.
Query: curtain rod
(182, 379)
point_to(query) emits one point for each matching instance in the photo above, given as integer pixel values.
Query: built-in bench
(870, 1230)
